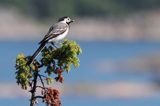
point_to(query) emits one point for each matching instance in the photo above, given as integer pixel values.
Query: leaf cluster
(23, 74)
(53, 61)
(62, 57)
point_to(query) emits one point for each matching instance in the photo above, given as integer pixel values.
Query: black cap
(62, 18)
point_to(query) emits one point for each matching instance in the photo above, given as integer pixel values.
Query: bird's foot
(54, 45)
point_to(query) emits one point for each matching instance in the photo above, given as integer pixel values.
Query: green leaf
(49, 80)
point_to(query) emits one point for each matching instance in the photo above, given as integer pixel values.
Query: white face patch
(67, 20)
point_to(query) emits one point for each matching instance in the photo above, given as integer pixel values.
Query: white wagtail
(56, 33)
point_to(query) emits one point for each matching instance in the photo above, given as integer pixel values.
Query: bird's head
(65, 19)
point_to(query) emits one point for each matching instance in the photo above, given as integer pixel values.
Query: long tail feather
(36, 53)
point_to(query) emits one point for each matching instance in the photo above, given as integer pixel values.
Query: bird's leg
(54, 45)
(60, 42)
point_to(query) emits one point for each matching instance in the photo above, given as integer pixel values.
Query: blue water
(88, 102)
(92, 52)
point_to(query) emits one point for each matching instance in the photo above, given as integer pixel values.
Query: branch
(38, 97)
(33, 91)
(41, 87)
(41, 65)
(42, 75)
(41, 80)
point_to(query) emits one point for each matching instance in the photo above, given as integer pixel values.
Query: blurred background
(120, 64)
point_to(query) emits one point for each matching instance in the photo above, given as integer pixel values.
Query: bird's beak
(72, 21)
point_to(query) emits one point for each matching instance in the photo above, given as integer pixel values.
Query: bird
(56, 32)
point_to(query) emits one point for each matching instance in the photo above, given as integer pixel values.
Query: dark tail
(36, 53)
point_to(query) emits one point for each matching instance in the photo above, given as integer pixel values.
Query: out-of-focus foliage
(49, 8)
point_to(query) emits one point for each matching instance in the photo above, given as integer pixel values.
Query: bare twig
(41, 87)
(41, 80)
(36, 97)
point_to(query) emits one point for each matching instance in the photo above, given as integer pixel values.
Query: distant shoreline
(137, 27)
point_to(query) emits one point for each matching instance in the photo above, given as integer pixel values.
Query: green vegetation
(50, 67)
(43, 9)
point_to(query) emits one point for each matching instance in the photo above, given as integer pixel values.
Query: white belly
(60, 37)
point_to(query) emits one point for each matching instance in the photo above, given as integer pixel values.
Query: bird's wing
(54, 31)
